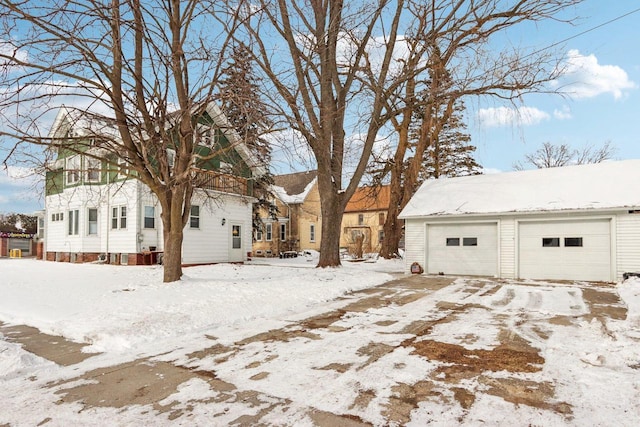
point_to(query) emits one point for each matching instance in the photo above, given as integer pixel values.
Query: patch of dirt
(523, 392)
(338, 367)
(327, 419)
(406, 398)
(283, 335)
(363, 399)
(462, 361)
(375, 351)
(214, 350)
(604, 304)
(323, 321)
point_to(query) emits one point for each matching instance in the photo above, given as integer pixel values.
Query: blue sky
(605, 101)
(604, 104)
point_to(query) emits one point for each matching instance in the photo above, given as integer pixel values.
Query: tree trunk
(392, 228)
(172, 258)
(332, 209)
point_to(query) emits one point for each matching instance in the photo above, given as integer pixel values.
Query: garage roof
(594, 186)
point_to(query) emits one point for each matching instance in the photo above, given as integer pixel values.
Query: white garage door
(565, 250)
(467, 249)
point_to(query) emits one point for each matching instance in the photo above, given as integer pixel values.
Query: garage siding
(507, 248)
(628, 244)
(414, 237)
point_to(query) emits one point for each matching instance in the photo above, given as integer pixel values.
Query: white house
(94, 212)
(566, 223)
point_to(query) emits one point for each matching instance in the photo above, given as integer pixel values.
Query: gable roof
(369, 199)
(294, 187)
(81, 122)
(595, 186)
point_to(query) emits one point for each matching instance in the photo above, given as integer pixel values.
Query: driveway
(448, 349)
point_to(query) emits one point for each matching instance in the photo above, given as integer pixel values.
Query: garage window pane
(470, 241)
(550, 242)
(453, 241)
(573, 241)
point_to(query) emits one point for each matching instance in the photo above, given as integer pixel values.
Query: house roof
(294, 187)
(595, 186)
(84, 124)
(374, 198)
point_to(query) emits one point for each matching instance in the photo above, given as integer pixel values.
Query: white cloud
(563, 114)
(505, 116)
(584, 77)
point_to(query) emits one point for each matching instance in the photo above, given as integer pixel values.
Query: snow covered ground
(126, 313)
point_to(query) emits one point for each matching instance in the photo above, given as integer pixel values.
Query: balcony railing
(211, 180)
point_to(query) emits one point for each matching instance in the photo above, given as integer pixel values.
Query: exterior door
(465, 249)
(236, 244)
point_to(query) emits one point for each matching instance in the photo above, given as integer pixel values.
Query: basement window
(550, 242)
(469, 241)
(573, 242)
(453, 241)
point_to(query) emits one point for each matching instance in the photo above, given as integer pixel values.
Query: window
(58, 216)
(93, 169)
(269, 231)
(74, 222)
(381, 218)
(380, 236)
(123, 217)
(73, 170)
(469, 241)
(259, 233)
(118, 217)
(123, 169)
(360, 219)
(283, 232)
(236, 237)
(550, 242)
(573, 241)
(356, 235)
(312, 232)
(171, 157)
(149, 217)
(194, 219)
(41, 227)
(92, 216)
(453, 241)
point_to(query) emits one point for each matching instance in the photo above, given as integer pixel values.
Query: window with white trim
(312, 233)
(268, 231)
(93, 167)
(194, 218)
(259, 234)
(283, 231)
(73, 170)
(236, 237)
(92, 219)
(73, 222)
(360, 219)
(118, 217)
(149, 217)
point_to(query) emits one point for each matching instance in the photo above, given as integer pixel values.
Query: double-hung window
(93, 169)
(118, 217)
(149, 217)
(92, 219)
(268, 227)
(283, 232)
(73, 222)
(194, 218)
(312, 233)
(73, 170)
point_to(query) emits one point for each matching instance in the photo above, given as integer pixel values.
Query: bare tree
(449, 58)
(141, 72)
(551, 156)
(311, 54)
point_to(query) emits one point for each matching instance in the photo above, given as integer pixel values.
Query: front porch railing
(226, 183)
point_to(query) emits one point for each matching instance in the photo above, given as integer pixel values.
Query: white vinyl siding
(507, 248)
(628, 244)
(414, 242)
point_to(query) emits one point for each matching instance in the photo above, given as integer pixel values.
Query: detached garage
(569, 223)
